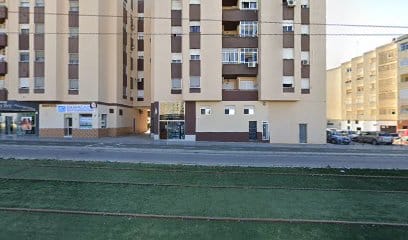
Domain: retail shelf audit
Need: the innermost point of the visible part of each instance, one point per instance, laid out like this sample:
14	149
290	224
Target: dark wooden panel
3	95
288	40
239	69
305	71
39	14
24	42
195	68
3	68
288	13
140	6
195	12
305	18
140	45
190	118
39	42
140	64
3	13
24	15
3	40
195	40
305	42
73	45
236	15
23	69
73	71
288	67
73	19
240	95
140	25
176	44
176	18
176	70
39	69
239	42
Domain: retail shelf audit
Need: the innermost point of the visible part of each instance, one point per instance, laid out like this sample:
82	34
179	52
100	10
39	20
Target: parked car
339	138
401	141
375	138
352	134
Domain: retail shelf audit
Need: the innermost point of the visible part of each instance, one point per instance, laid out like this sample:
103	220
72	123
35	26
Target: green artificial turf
67	185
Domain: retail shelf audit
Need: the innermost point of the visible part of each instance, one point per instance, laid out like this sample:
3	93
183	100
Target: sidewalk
144	141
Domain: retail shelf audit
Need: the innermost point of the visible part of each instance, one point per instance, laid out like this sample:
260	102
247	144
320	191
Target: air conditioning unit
305	62
291	3
252	64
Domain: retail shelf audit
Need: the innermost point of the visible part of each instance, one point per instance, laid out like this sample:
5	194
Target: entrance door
68	126
265	132
253	131
9	125
303	133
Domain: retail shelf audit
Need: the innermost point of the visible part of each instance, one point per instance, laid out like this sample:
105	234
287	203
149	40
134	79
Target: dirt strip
200	218
207	186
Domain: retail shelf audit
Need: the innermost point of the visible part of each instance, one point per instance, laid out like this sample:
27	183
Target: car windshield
384	134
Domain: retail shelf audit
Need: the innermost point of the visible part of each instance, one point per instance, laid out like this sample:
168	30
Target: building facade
236	70
70	67
371	95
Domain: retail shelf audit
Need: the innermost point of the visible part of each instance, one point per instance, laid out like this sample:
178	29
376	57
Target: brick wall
48	132
91	133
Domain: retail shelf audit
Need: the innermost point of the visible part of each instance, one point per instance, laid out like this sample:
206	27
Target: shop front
172	121
18	118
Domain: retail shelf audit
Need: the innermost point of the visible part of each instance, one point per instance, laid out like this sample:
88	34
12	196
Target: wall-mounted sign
94	105
74	109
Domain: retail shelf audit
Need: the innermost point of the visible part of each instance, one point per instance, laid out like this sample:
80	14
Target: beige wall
334	103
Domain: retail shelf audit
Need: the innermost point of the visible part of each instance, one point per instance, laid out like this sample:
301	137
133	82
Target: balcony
3	40
237	15
3	68
240	95
234	41
239	69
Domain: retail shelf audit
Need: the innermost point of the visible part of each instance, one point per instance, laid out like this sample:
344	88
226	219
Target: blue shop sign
75	109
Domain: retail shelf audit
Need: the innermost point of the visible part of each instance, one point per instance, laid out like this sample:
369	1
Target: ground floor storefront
71	120
252	121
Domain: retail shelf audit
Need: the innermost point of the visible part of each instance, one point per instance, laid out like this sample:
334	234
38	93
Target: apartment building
371	96
72	68
236	70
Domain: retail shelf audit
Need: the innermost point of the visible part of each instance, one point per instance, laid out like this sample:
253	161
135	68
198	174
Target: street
210	154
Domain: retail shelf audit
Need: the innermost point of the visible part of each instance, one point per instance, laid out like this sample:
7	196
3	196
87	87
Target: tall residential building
71	68
236	70
372	91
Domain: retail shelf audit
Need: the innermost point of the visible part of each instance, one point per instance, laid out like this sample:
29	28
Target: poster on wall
26	123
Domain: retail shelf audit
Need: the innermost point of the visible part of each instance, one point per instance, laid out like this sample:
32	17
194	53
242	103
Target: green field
275	193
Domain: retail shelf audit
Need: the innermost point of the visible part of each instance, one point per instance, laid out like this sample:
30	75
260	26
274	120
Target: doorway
303	133
174	130
68	126
266	136
253	131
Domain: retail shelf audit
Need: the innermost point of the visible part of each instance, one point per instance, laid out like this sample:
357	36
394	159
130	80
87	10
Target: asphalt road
254	155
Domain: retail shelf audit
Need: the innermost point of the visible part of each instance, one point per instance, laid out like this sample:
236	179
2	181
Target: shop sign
74	109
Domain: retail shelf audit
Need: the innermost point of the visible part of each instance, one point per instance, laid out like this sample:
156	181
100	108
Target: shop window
85	121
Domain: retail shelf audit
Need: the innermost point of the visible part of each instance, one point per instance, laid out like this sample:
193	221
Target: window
195	27
249	110
104	121
249	4
249	55
39	28
288	53
24	29
85	121
288	26
404	47
39	3
288	82
176	58
305	30
305	83
247	85
229	110
73	84
73	6
24	83
176	84
24	3
73	32
404	62
195	82
195	54
248	29
230	56
120	112
73	58
39	56
305	58
24	56
38	83
205	111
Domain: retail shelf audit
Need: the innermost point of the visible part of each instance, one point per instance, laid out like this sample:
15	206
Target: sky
362	12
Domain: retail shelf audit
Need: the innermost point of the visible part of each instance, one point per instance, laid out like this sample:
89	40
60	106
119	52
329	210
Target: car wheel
374	142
